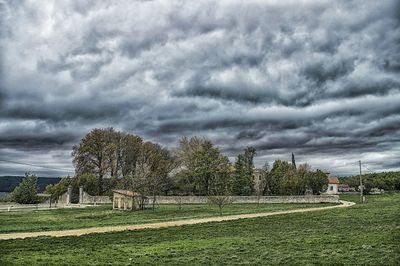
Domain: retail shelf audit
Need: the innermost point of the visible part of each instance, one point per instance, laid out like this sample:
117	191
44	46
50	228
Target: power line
35	165
368	168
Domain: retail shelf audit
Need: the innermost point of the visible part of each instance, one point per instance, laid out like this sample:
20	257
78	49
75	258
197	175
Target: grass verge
62	219
365	234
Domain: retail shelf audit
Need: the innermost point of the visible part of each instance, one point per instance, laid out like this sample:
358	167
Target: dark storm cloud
33	141
318	78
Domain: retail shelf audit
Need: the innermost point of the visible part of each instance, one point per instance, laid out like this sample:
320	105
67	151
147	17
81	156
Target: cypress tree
293	161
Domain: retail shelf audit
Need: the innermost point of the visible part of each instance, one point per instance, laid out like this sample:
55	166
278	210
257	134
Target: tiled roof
333	180
127	193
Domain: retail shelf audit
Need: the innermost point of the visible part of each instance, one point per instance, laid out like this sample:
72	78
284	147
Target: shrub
25	192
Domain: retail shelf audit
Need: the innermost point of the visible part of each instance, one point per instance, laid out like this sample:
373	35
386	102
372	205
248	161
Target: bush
89	183
56	190
25	192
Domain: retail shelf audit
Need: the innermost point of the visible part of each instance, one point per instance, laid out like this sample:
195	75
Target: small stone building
128	200
333	185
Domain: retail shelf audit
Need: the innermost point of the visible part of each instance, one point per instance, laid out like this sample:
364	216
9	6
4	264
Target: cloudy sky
320	79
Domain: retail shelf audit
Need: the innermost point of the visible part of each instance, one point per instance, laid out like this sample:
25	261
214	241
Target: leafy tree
89	183
243	177
129	152
26	191
316	180
95	154
292	183
201	164
205	166
385	180
183	183
108	154
284	179
276	175
187	148
56	190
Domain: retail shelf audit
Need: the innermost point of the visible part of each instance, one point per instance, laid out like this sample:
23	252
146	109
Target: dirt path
119	228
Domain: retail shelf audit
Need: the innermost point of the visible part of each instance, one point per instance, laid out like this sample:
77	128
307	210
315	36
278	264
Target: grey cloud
319	79
32	141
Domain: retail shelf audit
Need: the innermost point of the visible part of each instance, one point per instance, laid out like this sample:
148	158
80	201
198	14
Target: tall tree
92	155
293	161
316	181
129	152
200	162
244	173
292	183
111	154
161	164
276	176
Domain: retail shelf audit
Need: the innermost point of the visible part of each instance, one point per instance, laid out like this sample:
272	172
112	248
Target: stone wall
84	198
63	199
88	199
250	199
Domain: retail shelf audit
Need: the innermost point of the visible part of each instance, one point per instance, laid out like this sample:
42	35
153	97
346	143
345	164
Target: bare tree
222	183
153	166
221	201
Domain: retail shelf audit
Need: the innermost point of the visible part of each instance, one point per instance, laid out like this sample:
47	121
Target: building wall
332	189
250	199
257	175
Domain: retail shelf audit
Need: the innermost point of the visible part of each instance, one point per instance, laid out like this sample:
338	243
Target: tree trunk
100	183
154	198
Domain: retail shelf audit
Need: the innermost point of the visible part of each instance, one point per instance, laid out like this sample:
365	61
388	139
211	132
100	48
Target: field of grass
365	234
61	219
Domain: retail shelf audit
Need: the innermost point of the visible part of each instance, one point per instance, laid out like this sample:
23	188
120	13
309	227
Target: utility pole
361	185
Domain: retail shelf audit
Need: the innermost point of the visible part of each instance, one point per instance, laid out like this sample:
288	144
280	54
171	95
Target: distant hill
8	183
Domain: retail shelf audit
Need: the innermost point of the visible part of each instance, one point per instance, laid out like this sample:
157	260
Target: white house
333	185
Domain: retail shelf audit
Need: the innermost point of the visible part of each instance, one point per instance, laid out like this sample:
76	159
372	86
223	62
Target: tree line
107	159
386	180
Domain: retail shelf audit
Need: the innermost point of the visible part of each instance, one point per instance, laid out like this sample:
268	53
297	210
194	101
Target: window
330	187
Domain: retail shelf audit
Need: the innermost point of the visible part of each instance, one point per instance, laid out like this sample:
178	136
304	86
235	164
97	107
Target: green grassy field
367	234
61	219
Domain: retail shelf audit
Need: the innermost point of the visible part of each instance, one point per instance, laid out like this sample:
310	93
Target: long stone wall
85	198
250	199
89	199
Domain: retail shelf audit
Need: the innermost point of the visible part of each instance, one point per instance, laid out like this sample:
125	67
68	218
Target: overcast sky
320	79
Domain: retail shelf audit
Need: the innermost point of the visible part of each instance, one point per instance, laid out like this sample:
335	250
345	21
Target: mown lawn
104	215
367	234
